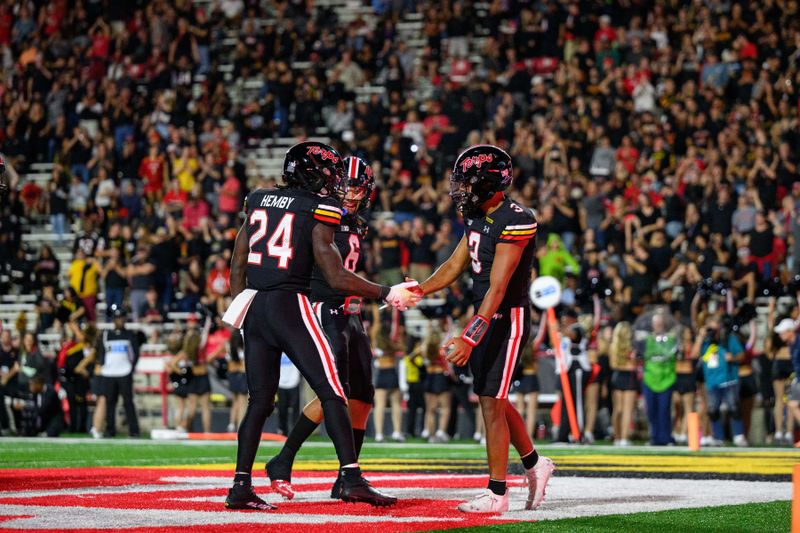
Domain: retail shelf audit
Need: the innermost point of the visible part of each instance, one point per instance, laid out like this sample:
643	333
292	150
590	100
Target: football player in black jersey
287	231
498	247
340	315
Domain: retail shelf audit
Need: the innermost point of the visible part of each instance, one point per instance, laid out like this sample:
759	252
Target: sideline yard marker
693	429
796	499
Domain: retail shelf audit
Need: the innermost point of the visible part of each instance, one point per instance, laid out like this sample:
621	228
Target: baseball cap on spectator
785	325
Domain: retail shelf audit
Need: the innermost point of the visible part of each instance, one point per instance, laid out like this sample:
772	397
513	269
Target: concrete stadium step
46	237
17	298
42	167
17	307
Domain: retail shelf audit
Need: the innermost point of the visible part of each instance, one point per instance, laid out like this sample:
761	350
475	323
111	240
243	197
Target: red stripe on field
431	510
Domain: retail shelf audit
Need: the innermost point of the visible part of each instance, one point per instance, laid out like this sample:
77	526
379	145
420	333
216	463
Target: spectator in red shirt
6	22
627	154
218	283
606	30
435	125
229	193
152	171
194	210
175	199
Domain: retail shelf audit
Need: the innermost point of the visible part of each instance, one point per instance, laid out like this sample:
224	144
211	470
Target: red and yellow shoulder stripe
519	232
328	213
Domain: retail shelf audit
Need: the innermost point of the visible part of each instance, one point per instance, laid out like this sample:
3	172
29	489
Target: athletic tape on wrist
385	292
475	330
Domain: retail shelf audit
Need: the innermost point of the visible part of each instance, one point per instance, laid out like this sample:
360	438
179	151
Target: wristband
385	292
475	330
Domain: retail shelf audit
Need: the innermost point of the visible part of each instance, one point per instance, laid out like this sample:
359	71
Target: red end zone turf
158	499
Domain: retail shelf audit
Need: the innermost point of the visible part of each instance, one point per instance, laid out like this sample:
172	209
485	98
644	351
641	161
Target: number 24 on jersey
279	244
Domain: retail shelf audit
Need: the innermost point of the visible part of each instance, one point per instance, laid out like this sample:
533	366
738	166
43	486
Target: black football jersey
348	239
509	223
279	225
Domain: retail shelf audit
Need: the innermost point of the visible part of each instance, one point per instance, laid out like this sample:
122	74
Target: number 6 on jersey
279	244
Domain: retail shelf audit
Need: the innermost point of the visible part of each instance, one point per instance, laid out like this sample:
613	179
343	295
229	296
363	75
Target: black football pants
284	322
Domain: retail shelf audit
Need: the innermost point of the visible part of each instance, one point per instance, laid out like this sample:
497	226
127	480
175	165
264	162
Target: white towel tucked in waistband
238	308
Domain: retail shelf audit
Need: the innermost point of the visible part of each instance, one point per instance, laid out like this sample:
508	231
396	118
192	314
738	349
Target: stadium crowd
657	140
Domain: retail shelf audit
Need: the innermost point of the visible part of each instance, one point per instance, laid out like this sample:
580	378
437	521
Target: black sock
299	434
352	473
530	460
337	423
498	487
358	439
240	478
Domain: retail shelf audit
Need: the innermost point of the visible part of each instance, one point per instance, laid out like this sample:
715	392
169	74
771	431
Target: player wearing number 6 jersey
340	315
498	247
287	231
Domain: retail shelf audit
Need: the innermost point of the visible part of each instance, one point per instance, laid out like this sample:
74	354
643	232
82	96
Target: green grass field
53	453
761	517
751	518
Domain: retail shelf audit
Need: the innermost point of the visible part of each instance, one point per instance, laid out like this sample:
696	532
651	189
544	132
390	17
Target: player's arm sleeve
521	229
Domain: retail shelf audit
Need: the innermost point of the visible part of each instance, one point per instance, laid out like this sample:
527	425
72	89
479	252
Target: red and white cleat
283	487
537	477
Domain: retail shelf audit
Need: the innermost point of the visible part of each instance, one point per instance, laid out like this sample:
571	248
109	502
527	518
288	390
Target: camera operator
118	352
40	409
720	353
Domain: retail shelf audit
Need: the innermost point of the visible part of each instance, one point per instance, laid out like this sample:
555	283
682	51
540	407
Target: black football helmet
315	167
360	185
480	172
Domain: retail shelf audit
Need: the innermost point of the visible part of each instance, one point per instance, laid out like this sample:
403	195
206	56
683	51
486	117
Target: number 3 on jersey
279	244
351	260
474	242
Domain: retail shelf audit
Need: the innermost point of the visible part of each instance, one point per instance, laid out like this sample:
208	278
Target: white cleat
537	478
740	441
486	502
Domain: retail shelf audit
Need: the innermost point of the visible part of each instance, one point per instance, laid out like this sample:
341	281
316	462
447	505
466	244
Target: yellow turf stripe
722	463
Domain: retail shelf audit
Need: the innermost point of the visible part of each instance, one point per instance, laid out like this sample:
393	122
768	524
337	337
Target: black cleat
243	498
280	477
361	491
278	468
336	490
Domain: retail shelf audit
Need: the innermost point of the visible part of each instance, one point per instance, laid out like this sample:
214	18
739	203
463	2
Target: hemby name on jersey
282	202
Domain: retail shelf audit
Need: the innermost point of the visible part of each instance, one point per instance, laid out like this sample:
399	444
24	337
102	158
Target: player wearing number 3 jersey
498	248
286	232
340	315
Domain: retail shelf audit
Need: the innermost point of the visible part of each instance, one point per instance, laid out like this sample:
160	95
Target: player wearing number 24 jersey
286	232
498	249
340	316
